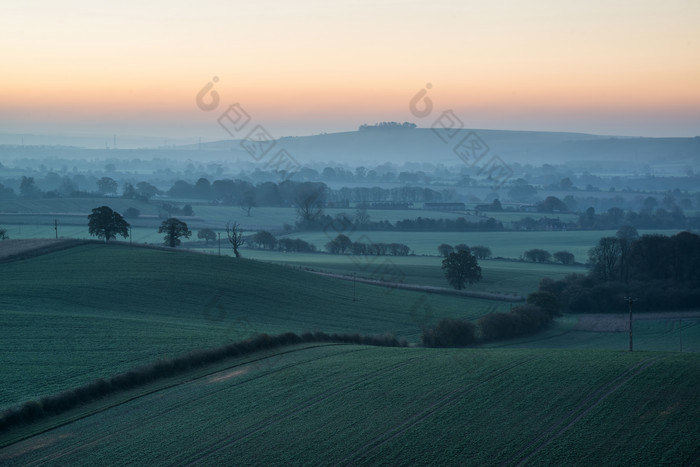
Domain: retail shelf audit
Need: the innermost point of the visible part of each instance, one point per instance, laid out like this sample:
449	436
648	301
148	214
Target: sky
307	67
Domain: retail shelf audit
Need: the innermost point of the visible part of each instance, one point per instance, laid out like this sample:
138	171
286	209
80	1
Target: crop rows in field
357	405
74	315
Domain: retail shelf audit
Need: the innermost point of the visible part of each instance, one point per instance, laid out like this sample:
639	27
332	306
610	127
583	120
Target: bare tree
235	237
310	198
248	202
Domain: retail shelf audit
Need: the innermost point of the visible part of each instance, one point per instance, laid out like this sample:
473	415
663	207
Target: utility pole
354	279
629	301
55	226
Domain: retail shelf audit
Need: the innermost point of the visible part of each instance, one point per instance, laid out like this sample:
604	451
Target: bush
450	333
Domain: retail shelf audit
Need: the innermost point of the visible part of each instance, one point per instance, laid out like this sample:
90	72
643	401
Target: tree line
661	271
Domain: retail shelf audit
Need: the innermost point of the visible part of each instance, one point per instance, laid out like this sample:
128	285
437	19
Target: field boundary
20	249
424	288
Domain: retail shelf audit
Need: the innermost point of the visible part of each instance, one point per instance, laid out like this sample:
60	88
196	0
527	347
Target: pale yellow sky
610	67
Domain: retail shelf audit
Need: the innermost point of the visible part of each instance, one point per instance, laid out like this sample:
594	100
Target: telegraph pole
629	301
354	279
55	226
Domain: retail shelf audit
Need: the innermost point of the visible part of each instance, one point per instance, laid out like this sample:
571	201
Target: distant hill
400	145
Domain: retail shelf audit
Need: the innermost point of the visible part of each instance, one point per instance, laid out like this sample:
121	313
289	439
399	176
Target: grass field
355	405
502	244
504	277
74	315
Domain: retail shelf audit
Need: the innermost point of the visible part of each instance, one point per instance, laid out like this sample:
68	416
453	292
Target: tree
207	235
564	257
130	192
106	185
605	258
248	202
444	249
174	228
264	239
146	190
339	245
3	234
461	268
104	223
462	247
551	204
481	252
27	188
361	216
310	198
235	237
537	255
187	210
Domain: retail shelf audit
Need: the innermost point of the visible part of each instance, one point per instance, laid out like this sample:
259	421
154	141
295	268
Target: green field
355	405
503	277
564	396
74	315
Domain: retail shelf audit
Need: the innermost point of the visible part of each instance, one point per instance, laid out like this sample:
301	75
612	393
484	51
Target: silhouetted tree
106	185
207	235
248	202
339	245
174	228
444	249
264	239
537	255
3	234
310	198
104	223
481	252
461	268
235	237
564	257
27	188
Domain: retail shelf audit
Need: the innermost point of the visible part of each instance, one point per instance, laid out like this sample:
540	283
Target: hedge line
35	410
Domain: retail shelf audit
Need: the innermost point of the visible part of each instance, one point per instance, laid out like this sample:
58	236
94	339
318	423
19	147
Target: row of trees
479	251
342	244
107	224
538	255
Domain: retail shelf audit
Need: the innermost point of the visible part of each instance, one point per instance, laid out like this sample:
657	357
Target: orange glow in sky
608	67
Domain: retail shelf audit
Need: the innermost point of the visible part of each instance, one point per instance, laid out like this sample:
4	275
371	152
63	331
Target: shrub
450	333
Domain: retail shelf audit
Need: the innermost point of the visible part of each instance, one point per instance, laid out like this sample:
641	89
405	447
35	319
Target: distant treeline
661	272
35	410
421	224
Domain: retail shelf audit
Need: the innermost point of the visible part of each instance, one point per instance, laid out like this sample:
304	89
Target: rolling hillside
70	316
357	405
